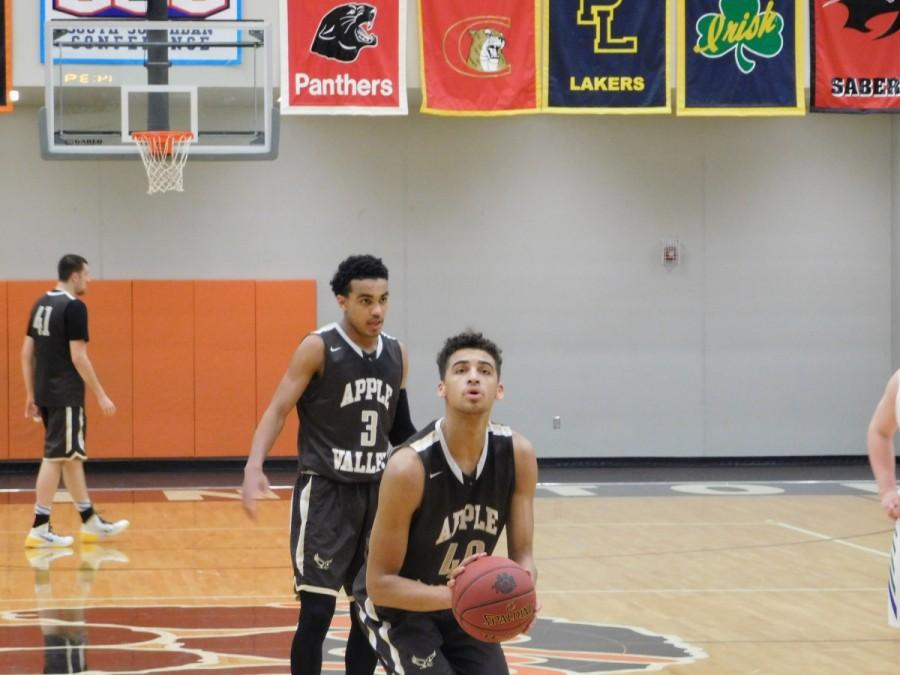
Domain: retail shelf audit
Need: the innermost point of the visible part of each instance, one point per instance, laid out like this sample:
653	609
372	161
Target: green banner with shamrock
740	57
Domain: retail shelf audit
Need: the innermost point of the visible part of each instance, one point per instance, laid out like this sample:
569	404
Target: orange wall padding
111	351
224	367
190	365
285	313
163	324
4	375
26	438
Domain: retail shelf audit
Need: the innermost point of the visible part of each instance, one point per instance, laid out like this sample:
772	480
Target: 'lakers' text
606	83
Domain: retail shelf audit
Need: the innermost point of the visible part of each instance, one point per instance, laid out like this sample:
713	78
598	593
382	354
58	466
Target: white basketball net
164	154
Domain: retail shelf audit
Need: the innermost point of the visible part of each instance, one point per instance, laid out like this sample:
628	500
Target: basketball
494	599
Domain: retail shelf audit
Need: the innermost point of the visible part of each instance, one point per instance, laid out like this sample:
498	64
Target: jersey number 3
41	323
369	435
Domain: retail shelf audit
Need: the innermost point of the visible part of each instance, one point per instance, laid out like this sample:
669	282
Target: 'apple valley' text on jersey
459	514
347	412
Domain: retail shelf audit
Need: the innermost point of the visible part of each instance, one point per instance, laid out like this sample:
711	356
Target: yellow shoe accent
44	537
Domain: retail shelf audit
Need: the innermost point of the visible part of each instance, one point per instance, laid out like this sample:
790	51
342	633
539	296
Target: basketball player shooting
445	498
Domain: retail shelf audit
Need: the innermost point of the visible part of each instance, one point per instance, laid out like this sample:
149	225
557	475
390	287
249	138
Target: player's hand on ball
255	484
459	569
537	609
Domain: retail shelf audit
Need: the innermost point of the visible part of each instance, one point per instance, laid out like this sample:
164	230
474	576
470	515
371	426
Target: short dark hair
467	340
69	264
357	267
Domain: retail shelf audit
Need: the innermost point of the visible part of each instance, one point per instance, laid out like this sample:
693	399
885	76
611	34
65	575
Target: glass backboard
109	78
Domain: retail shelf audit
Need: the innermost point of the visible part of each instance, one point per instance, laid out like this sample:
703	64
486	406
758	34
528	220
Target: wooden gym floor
688	578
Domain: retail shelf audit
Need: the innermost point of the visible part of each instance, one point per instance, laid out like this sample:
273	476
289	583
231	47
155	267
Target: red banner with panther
343	58
479	57
855	55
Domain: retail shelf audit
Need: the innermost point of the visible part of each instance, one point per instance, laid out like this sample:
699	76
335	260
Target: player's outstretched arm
881	447
520	530
402	486
305	364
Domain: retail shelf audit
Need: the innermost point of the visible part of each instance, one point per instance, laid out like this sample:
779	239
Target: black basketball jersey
347	412
56	318
459	515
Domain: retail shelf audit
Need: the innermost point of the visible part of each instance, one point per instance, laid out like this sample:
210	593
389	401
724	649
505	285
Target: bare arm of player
405	356
402	486
520	529
85	368
881	447
306	362
31	409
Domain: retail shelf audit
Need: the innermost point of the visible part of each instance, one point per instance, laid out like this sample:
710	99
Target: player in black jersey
55	366
445	498
347	381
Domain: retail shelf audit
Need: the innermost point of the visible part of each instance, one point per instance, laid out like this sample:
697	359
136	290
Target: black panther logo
344	31
860	11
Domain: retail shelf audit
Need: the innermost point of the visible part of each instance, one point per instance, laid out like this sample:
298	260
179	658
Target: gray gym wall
773	336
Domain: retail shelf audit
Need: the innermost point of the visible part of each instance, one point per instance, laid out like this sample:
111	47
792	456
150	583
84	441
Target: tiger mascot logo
486	51
344	32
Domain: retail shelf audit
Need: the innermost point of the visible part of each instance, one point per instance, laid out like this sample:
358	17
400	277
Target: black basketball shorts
64	430
330	525
433	642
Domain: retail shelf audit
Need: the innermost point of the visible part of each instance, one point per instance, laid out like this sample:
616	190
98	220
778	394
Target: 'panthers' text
342	85
469	516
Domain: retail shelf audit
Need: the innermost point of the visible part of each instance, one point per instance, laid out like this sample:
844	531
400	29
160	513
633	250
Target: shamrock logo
739	26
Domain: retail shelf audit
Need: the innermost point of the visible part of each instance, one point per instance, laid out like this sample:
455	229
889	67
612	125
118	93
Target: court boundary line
825	537
539	484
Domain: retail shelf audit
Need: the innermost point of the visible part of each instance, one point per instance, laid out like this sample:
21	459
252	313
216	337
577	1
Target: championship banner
343	59
479	57
190	47
855	51
740	57
602	57
5	55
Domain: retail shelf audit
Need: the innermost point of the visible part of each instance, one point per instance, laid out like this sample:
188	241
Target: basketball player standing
445	498
880	444
347	382
881	448
55	367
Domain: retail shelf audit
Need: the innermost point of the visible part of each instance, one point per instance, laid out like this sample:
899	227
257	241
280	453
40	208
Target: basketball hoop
164	154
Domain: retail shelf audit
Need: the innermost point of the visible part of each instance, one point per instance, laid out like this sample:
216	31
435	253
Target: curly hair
357	267
468	340
68	265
